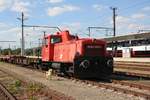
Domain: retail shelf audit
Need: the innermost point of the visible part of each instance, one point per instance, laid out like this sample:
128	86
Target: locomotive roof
72	36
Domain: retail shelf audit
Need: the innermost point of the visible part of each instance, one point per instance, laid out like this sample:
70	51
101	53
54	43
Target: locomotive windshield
55	39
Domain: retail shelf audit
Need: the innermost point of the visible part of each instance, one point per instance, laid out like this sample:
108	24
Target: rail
6	93
124	87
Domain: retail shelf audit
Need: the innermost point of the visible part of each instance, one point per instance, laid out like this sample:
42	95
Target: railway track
131	73
138	69
126	87
121	86
45	93
5	94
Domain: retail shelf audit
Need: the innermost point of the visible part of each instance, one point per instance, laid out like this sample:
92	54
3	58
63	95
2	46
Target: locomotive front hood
91	47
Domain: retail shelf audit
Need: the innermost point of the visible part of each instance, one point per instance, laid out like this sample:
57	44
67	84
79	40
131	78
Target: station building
134	45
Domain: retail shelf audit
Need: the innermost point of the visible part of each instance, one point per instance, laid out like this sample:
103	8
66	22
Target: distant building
130	40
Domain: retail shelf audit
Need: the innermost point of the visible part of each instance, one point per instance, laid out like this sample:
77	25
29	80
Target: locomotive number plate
94	46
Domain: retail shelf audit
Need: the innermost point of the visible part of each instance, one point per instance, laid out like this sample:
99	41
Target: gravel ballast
77	90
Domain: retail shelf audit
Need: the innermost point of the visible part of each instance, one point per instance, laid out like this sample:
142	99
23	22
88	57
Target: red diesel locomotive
69	55
83	58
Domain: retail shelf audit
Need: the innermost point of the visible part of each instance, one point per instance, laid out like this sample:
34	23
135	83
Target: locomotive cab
83	58
48	47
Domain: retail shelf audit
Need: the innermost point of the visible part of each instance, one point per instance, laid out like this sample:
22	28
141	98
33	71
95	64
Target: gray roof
129	37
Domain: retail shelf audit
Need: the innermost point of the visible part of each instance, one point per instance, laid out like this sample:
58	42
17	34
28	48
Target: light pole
0	50
22	34
114	47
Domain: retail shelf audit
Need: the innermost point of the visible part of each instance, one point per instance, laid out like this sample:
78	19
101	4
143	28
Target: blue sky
75	15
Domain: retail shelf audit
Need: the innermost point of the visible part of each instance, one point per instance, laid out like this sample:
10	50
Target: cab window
55	39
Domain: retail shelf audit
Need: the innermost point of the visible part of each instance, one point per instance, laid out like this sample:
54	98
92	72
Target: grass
30	89
33	89
15	86
24	90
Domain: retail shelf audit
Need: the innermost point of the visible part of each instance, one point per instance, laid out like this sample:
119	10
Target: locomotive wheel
34	66
84	64
42	67
63	71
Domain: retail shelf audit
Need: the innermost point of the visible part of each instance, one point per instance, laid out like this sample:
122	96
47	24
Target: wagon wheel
39	66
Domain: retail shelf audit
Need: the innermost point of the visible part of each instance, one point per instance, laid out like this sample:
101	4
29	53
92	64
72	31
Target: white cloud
72	26
55	1
145	27
133	26
130	23
76	24
122	20
146	8
138	16
127	24
98	7
4	4
20	6
14	34
14	5
59	10
3	26
123	24
8	33
137	27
